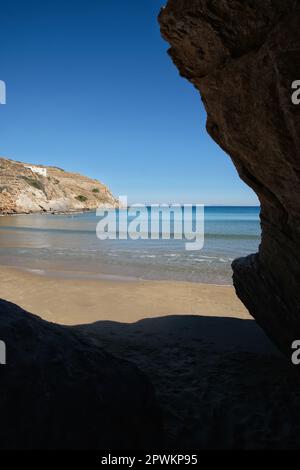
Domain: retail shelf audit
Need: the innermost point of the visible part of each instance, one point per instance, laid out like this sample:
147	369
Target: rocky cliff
26	188
243	58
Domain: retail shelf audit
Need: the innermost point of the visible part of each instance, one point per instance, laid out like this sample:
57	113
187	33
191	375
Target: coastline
76	301
45	212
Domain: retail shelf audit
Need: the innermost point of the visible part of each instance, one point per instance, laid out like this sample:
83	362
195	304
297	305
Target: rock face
26	188
59	391
243	58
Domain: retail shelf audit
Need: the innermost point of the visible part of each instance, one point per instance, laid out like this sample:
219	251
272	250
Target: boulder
60	391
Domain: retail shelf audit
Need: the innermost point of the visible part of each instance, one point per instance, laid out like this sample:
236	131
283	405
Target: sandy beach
77	301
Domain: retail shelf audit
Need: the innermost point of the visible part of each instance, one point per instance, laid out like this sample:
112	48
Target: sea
67	246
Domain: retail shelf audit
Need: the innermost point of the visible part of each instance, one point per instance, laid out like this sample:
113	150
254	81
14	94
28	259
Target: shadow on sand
219	381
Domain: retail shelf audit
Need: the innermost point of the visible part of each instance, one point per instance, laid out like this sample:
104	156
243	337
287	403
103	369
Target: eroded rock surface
58	391
243	58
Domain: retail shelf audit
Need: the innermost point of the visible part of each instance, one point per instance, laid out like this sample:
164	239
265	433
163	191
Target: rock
26	188
243	58
60	391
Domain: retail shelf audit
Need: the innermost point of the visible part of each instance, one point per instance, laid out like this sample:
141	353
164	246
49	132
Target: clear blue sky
91	89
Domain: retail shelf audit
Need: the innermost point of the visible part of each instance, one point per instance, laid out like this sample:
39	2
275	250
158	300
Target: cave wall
243	58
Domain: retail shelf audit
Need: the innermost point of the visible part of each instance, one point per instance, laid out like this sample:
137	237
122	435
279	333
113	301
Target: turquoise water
67	245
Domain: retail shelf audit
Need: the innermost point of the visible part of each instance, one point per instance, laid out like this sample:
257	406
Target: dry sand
76	301
219	381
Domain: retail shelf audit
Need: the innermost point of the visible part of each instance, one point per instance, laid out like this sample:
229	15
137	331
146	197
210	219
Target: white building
37	169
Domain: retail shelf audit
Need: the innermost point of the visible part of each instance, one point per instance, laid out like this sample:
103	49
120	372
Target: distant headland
27	188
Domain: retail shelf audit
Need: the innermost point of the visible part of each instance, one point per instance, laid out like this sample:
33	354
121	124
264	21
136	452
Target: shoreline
82	301
101	276
70	212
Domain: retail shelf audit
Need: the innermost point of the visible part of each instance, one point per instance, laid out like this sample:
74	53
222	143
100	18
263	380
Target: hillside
26	188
